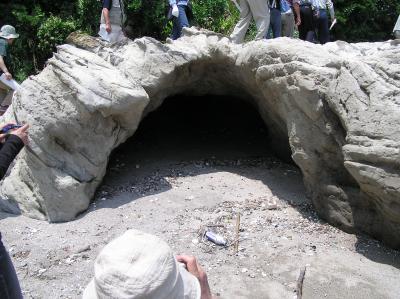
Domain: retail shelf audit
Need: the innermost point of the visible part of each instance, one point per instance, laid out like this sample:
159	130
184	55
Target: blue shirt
178	2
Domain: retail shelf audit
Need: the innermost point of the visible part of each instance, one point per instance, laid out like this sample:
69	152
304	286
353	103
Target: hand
194	268
108	27
3	136
175	10
22	133
298	21
8	75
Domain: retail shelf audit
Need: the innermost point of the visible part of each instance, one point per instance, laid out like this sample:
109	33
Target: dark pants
275	26
322	26
306	28
179	22
9	285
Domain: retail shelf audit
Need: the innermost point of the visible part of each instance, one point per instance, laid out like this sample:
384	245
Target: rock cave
336	107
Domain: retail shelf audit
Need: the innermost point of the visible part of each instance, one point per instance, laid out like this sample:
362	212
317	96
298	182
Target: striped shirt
324	4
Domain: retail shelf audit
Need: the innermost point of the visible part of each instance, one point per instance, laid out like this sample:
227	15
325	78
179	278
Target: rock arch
337	106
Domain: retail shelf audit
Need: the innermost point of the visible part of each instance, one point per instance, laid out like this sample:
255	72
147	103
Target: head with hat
140	265
8	32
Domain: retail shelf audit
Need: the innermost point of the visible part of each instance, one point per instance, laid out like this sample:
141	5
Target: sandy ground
173	182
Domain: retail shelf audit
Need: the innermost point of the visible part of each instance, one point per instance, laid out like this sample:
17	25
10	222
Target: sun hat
8	31
140	265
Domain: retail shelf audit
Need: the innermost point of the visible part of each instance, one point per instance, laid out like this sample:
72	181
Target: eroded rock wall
337	105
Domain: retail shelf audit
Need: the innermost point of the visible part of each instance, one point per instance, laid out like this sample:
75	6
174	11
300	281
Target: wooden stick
236	249
300	280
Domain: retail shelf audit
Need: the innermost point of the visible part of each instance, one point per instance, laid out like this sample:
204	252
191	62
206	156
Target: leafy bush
88	15
361	20
43	24
53	32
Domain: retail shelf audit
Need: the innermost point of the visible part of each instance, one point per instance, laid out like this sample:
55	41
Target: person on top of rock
10	145
275	25
140	265
288	19
251	9
179	11
112	20
321	18
7	37
307	27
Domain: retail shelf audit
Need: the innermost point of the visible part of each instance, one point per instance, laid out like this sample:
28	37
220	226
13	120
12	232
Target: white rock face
337	106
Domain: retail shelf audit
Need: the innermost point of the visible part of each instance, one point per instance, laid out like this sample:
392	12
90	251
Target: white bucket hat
8	31
139	265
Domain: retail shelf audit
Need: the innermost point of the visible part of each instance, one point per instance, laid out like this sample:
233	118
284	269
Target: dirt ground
173	180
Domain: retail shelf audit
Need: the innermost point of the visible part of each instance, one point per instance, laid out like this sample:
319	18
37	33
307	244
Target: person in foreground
140	265
10	146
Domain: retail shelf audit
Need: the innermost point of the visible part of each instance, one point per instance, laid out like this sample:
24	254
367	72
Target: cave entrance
193	135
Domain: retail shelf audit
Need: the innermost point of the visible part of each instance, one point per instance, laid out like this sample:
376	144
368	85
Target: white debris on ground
279	233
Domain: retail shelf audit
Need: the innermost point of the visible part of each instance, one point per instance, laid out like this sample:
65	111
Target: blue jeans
9	285
275	26
179	22
322	26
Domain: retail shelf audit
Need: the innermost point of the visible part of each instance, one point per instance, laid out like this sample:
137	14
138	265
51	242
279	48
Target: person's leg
241	27
306	29
277	29
303	25
9	285
273	24
260	11
182	19
175	29
179	22
323	27
8	99
5	98
287	24
284	24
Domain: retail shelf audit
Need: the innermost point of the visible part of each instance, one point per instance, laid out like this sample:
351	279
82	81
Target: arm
8	152
11	147
3	67
106	14
296	7
329	5
194	268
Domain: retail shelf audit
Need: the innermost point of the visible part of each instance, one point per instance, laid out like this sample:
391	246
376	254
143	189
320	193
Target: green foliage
365	20
44	24
52	32
88	15
147	18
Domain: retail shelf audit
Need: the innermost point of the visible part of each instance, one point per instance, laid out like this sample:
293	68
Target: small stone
244	270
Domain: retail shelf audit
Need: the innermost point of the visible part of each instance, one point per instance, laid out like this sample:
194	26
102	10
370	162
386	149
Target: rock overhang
336	105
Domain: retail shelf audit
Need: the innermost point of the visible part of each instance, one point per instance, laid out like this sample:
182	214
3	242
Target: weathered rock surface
337	106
